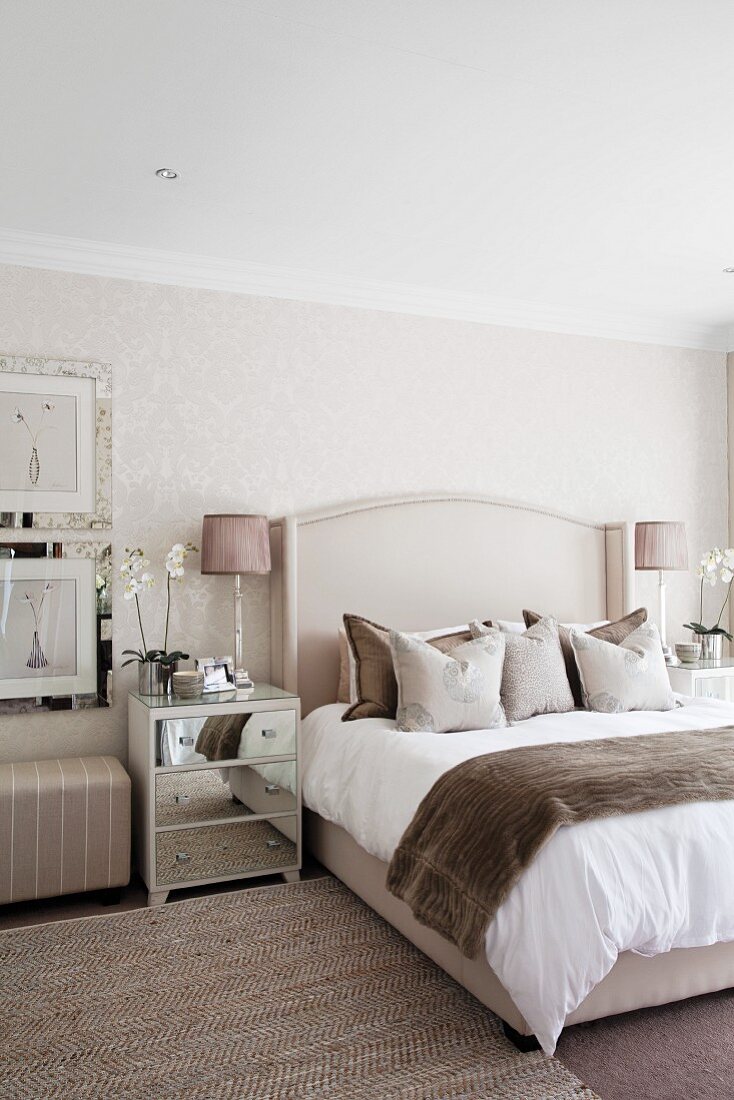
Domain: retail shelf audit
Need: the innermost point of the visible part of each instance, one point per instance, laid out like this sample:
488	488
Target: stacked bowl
187	685
688	652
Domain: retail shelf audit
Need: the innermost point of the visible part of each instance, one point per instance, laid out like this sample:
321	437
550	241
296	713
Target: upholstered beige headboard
423	562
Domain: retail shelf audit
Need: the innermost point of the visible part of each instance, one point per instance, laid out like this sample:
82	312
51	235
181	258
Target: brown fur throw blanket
484	821
220	736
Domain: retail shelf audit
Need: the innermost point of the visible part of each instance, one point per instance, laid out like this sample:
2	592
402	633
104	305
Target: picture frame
218	673
55	443
48	628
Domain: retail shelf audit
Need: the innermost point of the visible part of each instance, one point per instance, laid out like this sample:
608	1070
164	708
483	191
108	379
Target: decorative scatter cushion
444	639
344	692
447	692
375	687
628	676
614	632
445	643
534	678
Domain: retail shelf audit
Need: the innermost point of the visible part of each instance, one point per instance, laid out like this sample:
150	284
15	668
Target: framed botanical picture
55	443
48	627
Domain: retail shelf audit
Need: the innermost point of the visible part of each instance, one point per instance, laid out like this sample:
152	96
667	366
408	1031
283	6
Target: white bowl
688	652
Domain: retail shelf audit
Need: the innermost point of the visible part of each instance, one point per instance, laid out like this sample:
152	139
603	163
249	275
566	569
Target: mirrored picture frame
55	626
55	443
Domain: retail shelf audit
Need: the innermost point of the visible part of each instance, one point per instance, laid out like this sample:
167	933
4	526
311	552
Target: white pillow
444	693
629	676
509	627
427	635
520	628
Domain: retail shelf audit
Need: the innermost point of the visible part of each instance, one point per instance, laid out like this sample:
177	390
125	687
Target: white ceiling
564	164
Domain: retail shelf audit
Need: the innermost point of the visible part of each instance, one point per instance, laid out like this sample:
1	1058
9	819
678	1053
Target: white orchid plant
136	580
716	565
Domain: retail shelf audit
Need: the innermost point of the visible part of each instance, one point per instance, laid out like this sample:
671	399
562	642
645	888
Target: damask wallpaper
224	402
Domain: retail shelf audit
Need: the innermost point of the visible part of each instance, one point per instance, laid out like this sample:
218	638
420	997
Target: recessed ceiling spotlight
729	270
167	173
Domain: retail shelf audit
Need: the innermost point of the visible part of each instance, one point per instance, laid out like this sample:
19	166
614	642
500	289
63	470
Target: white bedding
646	882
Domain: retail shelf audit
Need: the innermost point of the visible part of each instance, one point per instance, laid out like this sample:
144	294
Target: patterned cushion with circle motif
629	676
448	692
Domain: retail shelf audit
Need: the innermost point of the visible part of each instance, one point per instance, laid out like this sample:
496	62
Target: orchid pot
154	678
712	646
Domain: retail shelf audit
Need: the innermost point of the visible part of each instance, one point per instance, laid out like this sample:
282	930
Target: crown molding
85	257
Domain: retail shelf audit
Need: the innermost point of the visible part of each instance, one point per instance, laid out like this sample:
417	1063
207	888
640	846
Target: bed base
524	1043
634	981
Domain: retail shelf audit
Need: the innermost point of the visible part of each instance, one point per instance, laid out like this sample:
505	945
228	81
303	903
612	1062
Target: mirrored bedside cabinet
712	679
216	788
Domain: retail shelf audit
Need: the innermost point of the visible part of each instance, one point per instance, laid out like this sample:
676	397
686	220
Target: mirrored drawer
223	737
214	851
182	797
271	733
265	788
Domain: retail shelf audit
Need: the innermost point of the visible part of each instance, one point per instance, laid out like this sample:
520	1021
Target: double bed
614	914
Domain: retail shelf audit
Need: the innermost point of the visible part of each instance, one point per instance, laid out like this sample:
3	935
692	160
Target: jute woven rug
274	993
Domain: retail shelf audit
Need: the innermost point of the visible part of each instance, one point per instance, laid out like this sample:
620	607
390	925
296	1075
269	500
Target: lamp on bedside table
662	546
232	545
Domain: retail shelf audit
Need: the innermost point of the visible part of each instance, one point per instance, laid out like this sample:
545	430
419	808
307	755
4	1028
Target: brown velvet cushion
446	642
614	632
377	688
343	692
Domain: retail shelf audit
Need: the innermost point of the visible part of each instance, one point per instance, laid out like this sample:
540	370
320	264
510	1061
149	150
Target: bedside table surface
262	693
726	666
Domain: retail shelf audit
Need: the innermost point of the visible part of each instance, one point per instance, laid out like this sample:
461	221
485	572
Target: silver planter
712	646
155	678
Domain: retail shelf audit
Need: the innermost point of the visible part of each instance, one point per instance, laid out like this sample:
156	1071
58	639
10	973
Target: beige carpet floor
277	993
681	1051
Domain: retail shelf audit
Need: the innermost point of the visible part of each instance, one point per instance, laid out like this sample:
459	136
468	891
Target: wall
730	448
225	402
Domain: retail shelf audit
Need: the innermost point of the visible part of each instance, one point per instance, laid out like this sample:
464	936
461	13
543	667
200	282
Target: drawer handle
275	844
270	734
186	741
270	788
183	857
183	799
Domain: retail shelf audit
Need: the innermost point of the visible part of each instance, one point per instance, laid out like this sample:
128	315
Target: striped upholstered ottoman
64	827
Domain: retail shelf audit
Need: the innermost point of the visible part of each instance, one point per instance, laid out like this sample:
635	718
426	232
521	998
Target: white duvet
645	882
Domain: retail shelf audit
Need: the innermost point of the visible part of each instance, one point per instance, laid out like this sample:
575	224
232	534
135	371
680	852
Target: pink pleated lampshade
235	544
660	545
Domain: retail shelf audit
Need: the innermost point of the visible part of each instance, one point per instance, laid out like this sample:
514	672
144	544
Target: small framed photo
218	673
